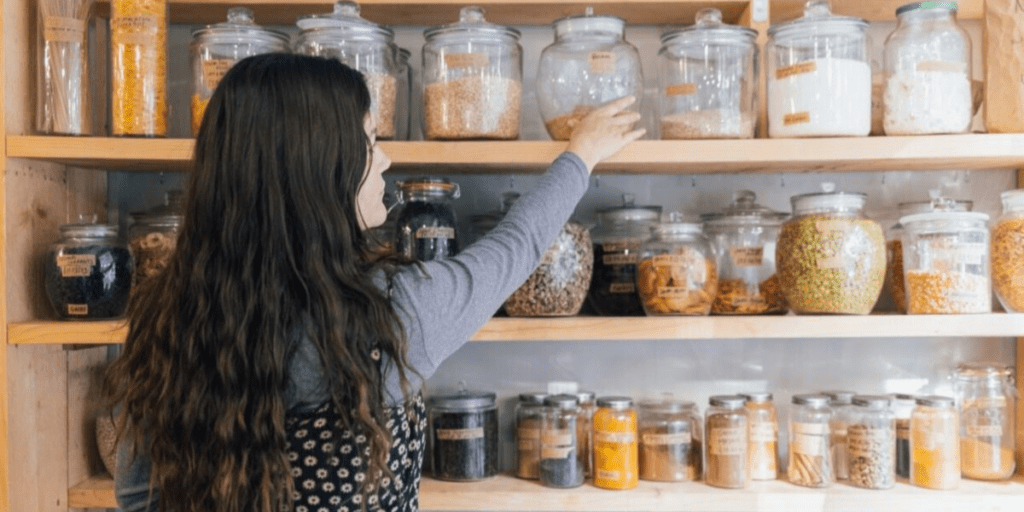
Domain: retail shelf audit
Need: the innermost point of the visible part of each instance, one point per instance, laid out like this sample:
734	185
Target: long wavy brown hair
270	245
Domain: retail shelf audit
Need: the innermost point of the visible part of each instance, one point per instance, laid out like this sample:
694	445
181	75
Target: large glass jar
88	272
616	454
810	460
841	403
362	45
464	435
676	274
561	461
589	64
1008	252
709	80
987	402
153	236
743	238
426	226
217	47
472	79
927	72
819	75
871	443
559	284
726	427
670	441
529	411
617	240
946	263
763	451
62	100
138	67
935	443
830	256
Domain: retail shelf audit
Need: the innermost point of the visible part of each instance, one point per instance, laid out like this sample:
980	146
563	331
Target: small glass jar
670	441
677	274
561	461
935	443
585	434
464	436
743	238
153	236
841	403
472	79
830	257
589	65
617	238
810	459
529	412
709	80
763	454
616	454
88	272
217	47
1008	252
404	96
987	401
726	425
902	407
927	72
946	263
63	69
819	75
871	442
426	225
138	67
559	284
362	45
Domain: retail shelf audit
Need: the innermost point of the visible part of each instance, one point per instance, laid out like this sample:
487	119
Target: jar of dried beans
463	435
871	443
153	236
763	452
589	64
726	425
677	273
362	45
1008	252
472	79
529	412
810	459
561	461
88	272
743	238
616	454
670	441
138	67
987	401
617	240
935	443
558	286
946	263
426	227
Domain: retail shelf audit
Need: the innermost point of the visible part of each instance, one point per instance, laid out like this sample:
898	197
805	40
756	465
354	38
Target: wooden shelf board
873	10
939	152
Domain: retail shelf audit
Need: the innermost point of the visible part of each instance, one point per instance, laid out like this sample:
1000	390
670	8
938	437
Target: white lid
345	18
1013	200
589	23
944	217
471	21
828	199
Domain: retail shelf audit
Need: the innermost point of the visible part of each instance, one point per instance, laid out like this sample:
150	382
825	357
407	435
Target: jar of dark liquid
426	226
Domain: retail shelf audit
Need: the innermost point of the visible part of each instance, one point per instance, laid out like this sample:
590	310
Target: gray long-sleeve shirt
440	306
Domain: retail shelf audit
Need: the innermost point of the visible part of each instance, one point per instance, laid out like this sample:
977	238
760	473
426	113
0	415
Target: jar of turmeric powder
138	67
935	443
1008	252
676	274
616	451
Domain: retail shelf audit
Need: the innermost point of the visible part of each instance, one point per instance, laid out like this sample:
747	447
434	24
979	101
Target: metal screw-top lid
709	30
536	398
427	187
562	401
465	400
240	28
757	397
585	397
728	401
615	402
872	401
472	22
935	401
811	400
904	396
345	19
927	6
840	397
589	23
1013	200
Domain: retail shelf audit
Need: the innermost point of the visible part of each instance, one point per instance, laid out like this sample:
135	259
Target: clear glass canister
561	461
927	72
464	435
676	273
88	272
153	236
589	64
559	284
217	47
472	79
426	226
362	45
670	441
987	401
588	404
935	443
903	406
871	443
819	75
725	425
138	67
841	403
404	97
810	459
709	80
830	256
1008	252
63	70
743	238
763	453
617	238
529	411
616	454
946	263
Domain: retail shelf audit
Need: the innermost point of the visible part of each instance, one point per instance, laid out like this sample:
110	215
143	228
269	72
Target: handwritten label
810	439
674	291
605	474
941	66
619	259
620	247
433	232
64	30
963	254
76	265
727	441
553	452
214	70
797	118
621	288
78	309
985	430
460	434
747	256
826	226
796	69
902	429
557	438
763	432
614	437
466	60
602	63
669	260
663	439
135	30
681	90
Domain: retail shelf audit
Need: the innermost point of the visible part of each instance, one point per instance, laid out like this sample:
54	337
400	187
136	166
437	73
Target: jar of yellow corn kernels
138	66
1008	252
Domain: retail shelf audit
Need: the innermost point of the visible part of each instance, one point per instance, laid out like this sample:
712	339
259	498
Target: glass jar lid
944	217
927	6
88	230
465	400
840	397
757	397
874	402
536	398
344	20
589	23
472	23
728	401
562	401
1013	200
629	212
677	228
935	401
982	371
904	397
240	28
935	204
744	210
615	402
171	212
811	400
829	199
709	30
818	20
427	187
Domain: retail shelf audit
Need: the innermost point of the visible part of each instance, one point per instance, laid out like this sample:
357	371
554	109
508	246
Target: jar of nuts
558	287
153	236
677	273
1008	252
946	263
617	238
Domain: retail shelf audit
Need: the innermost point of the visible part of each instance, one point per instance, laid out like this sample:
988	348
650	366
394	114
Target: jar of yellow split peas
138	66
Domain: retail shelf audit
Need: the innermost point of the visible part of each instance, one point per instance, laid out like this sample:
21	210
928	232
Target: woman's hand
604	132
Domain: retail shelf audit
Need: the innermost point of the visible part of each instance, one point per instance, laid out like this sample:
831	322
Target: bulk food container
763	448
529	412
88	272
1008	252
561	461
617	240
153	236
138	67
463	434
935	443
676	274
62	105
670	441
559	284
726	425
946	263
871	443
616	453
810	460
426	226
987	400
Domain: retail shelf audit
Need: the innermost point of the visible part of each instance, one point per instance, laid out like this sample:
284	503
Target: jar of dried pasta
946	263
670	440
810	459
677	273
987	400
616	454
153	236
138	67
726	425
1008	252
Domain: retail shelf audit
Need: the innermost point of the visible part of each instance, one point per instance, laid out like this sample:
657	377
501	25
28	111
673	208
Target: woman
276	363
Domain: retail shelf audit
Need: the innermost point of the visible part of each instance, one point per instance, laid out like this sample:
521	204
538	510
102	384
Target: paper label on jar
828	226
670	260
614	437
984	430
796	69
550	452
76	265
727	441
214	70
796	118
763	432
941	65
528	433
602	63
140	30
460	434
867	442
681	90
620	247
902	429
527	445
987	402
962	254
673	291
621	288
810	439
64	30
619	259
466	60
435	232
606	474
556	438
747	256
78	309
663	439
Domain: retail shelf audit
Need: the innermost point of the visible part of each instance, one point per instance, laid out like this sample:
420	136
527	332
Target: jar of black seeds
464	436
561	461
88	272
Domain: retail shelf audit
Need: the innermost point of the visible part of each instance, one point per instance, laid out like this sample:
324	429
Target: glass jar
138	67
1008	252
677	274
935	443
472	79
946	263
464	436
589	65
217	47
88	272
841	403
927	72
763	453
616	456
743	238
726	425
404	95
617	240
987	402
426	226
810	459
561	461
482	223
63	68
902	407
153	236
709	80
362	45
830	257
559	284
529	412
871	442
819	75
670	441
585	433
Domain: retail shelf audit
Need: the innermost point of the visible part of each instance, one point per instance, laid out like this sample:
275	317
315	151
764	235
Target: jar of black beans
464	436
426	227
88	272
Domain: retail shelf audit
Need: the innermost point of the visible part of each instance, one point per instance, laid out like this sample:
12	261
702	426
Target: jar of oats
676	274
472	79
946	263
1008	252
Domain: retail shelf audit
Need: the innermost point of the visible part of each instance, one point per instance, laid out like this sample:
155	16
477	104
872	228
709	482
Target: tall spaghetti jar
841	403
63	79
726	427
987	401
935	443
1008	252
616	454
763	453
218	47
810	459
588	405
138	66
